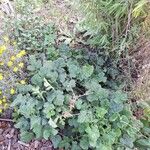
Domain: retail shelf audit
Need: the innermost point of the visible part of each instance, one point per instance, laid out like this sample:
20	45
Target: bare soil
9	139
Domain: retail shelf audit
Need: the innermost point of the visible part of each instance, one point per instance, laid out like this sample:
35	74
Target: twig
7	8
129	21
24	144
127	27
9	145
8	120
85	94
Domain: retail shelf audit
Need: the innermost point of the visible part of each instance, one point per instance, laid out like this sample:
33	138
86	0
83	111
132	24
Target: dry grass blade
8	120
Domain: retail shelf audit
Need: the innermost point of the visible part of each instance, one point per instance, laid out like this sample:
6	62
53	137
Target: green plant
26	6
33	35
142	110
113	25
68	100
72	97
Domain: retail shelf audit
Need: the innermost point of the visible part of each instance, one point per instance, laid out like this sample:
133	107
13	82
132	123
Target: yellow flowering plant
11	70
2	49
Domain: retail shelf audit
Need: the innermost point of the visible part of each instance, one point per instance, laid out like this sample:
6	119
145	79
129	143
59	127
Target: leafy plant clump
33	35
72	100
27	6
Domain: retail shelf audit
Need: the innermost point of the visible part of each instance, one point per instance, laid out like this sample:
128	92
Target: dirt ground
9	139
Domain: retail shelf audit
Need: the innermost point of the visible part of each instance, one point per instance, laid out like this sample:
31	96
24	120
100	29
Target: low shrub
32	34
72	98
27	6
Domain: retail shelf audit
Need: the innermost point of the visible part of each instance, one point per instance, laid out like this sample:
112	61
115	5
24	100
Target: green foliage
74	100
33	35
26	6
112	24
144	143
74	97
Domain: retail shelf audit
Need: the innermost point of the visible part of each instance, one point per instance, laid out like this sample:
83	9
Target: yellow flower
1	110
22	82
15	69
12	58
18	55
2	49
10	63
6	39
15	109
21	65
1	63
5	105
14	43
12	91
1	101
1	76
4	100
21	53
